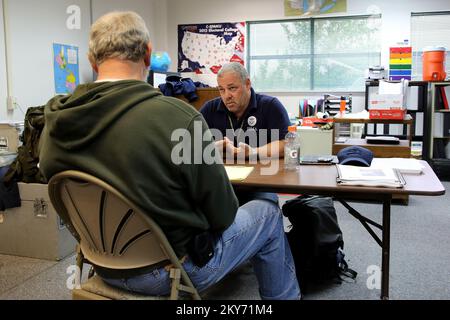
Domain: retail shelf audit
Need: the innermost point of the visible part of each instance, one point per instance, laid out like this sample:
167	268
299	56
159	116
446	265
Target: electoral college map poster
204	48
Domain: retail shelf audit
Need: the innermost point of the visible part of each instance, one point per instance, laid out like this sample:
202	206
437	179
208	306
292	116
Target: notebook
369	177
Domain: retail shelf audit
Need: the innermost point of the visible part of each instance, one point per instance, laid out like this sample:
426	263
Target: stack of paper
404	165
368	176
238	173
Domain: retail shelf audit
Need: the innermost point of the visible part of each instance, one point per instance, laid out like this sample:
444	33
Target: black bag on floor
316	241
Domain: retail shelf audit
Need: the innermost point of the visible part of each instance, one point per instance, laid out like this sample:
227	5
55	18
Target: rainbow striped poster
400	63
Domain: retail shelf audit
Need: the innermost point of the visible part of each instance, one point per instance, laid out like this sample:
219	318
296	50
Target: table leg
385	247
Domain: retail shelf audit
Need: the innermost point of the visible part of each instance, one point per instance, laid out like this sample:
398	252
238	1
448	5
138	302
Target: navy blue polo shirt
263	112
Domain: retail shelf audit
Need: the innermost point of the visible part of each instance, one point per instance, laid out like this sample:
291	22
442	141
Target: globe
160	61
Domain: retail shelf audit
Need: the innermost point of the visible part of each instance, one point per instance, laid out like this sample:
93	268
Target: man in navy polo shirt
250	124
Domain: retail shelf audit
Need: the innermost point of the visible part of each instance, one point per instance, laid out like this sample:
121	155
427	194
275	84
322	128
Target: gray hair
236	68
122	35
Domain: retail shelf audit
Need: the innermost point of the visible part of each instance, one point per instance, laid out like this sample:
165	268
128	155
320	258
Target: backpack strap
343	269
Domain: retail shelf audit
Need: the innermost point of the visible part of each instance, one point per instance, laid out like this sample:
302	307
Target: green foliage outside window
313	54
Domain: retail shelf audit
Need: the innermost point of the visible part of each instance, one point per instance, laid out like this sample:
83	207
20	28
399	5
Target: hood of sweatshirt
79	118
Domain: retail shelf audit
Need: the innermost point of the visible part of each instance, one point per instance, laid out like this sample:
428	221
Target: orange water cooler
433	64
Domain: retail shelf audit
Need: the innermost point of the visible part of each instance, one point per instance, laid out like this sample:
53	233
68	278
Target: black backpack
25	166
316	241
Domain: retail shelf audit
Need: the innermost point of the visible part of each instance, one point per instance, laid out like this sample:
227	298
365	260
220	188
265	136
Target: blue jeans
247	196
257	235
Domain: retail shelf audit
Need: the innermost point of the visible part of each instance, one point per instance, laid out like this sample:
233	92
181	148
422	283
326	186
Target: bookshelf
438	137
401	150
417	105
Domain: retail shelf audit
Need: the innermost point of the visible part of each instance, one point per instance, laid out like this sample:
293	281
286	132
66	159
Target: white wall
33	27
159	26
395	24
154	12
3	91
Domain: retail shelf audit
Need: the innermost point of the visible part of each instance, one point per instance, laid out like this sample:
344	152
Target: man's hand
225	146
244	150
220	145
231	150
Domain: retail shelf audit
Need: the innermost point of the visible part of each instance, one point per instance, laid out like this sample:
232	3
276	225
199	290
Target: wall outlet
11	103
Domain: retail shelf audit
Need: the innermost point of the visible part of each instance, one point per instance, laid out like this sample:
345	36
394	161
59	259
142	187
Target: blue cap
355	156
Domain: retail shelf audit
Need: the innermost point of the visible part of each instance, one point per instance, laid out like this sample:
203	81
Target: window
429	29
317	54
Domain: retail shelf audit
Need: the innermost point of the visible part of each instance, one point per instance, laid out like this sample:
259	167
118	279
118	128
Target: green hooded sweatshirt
121	132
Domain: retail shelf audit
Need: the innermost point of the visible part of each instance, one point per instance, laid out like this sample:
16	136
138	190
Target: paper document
390	87
370	177
404	165
238	173
355	115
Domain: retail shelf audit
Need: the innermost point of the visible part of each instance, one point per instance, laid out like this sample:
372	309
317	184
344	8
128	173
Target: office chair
113	233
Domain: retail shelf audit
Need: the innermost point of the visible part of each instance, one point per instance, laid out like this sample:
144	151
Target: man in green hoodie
122	130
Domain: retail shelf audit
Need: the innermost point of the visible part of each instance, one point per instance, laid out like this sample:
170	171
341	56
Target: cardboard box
393	114
388	106
34	230
385	101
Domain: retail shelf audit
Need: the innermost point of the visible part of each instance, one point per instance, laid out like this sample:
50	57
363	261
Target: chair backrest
112	232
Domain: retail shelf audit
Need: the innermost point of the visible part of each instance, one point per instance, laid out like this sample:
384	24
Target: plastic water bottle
291	149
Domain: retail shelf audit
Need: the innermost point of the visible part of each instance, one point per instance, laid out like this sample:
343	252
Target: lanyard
232	127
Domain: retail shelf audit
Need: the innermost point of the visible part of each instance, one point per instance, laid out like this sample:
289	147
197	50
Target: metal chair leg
175	275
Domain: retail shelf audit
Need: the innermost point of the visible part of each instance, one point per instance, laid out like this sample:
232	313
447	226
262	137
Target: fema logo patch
252	121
